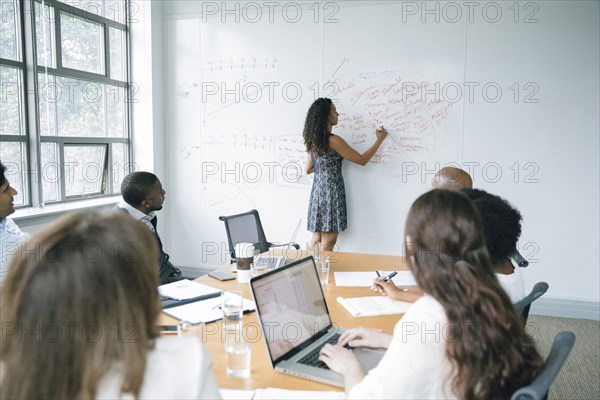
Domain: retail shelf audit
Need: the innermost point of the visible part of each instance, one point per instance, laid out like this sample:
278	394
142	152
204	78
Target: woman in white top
80	309
463	338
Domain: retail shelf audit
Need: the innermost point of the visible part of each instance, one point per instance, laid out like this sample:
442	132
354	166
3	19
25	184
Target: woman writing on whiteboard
325	153
463	338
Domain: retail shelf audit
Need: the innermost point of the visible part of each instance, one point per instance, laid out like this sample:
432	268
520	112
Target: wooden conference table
262	374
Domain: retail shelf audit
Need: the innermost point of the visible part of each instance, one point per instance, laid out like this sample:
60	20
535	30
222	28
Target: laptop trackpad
369	358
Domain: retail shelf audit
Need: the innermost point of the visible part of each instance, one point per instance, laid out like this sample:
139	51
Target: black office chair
247	228
538	389
524	305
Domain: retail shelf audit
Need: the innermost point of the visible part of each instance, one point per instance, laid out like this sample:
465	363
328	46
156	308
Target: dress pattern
327	205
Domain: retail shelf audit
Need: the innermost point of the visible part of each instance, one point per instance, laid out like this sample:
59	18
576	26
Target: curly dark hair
2	177
501	223
491	353
316	137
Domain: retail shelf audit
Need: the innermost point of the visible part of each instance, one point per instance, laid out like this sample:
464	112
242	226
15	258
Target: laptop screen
290	305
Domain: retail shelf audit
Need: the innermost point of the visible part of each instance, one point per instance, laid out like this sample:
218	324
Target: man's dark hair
501	223
136	186
2	177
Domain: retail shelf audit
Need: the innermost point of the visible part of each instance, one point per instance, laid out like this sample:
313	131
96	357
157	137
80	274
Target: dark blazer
167	272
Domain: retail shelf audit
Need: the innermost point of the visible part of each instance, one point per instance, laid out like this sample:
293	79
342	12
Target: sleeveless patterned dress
327	206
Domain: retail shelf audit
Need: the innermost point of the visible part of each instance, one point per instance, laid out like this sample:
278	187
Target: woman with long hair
79	315
463	337
327	214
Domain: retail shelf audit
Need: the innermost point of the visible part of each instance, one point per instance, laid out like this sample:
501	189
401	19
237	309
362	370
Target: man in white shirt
143	195
452	178
10	234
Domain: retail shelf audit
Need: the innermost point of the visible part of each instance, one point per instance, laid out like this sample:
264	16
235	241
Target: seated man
502	227
143	194
452	178
10	234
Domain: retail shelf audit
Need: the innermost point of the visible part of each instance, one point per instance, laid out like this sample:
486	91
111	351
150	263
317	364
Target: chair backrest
519	259
524	305
538	389
245	228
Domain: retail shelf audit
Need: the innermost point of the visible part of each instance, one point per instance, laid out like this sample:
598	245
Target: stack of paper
185	289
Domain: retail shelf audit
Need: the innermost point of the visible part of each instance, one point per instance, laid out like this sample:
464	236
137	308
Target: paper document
203	311
403	278
372	306
185	289
283	394
354	278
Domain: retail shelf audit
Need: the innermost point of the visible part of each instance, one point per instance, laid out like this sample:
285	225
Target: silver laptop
295	322
274	262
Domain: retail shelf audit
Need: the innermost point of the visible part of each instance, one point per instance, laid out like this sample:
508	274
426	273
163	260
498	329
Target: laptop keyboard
266	262
312	358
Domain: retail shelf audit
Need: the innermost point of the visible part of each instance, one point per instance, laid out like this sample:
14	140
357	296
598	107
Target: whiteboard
238	112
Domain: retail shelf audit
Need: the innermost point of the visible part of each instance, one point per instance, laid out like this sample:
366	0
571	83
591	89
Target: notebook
184	292
296	323
274	262
372	306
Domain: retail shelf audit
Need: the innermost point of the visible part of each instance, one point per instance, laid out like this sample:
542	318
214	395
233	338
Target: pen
390	276
374	286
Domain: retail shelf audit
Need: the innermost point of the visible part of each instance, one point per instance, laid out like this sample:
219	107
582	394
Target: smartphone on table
222	276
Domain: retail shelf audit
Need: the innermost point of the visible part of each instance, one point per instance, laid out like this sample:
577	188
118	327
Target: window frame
31	138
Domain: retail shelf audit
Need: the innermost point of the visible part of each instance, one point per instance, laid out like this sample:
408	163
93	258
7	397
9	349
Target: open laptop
296	323
274	262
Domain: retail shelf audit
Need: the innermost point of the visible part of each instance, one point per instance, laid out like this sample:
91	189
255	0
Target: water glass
238	354
259	268
232	307
323	269
313	250
186	328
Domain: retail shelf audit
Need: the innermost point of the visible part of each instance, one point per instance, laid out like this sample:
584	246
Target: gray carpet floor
580	376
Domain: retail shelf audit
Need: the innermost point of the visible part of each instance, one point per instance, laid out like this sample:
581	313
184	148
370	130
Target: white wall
552	143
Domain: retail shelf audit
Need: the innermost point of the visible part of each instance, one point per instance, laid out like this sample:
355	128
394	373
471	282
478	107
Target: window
64	88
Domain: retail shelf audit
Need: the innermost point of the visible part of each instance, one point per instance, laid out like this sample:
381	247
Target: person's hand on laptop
343	361
364	337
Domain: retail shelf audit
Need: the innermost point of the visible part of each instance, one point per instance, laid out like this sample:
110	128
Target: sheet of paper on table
403	278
